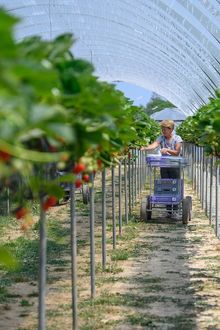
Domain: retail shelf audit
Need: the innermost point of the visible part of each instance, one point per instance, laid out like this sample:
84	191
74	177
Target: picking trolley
166	193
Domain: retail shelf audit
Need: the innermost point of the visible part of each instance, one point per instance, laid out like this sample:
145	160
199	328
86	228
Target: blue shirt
169	144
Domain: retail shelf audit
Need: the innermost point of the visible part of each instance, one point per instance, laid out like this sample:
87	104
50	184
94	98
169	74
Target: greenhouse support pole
146	168
211	187
42	274
113	209
129	183
138	173
135	174
193	162
199	173
194	168
103	218
119	200
190	154
203	179
92	237
216	198
206	185
73	255
140	170
126	190
132	180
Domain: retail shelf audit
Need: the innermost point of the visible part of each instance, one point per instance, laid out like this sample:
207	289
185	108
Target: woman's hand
165	151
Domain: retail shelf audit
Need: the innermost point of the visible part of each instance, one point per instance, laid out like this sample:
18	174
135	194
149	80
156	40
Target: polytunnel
105	225
167	46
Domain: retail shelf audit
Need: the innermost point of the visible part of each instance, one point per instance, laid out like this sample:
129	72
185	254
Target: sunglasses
165	127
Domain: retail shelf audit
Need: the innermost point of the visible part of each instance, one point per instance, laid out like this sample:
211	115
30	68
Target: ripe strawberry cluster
4	156
24	216
22	213
48	202
80	168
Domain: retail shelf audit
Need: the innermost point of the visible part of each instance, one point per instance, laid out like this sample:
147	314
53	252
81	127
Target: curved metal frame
168	46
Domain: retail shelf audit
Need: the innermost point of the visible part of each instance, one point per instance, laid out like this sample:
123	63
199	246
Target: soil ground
162	275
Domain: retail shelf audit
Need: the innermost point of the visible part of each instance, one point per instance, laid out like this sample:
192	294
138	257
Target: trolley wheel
145	211
189	198
185	211
85	194
149	208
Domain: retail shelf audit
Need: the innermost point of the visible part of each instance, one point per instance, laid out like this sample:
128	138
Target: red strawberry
50	201
78	168
4	156
99	163
85	177
78	183
52	148
21	212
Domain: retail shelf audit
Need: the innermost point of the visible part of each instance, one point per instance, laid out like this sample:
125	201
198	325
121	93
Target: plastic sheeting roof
171	47
169	113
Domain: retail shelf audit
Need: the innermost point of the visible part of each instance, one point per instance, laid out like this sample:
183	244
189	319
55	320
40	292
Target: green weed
25	303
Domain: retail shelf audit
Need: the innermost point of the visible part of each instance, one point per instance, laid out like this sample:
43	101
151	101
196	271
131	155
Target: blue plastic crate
166	161
166	187
168	200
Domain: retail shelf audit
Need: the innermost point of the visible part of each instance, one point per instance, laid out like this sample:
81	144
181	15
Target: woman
170	145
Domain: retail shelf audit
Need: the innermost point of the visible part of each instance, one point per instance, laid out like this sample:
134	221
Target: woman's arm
176	152
151	146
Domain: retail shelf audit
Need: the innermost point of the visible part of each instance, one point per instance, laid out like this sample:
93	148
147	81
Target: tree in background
157	103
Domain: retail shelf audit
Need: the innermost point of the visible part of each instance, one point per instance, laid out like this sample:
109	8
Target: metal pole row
130	182
204	174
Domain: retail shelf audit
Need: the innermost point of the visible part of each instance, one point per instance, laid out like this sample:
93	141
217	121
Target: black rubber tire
149	208
185	211
189	198
143	209
85	194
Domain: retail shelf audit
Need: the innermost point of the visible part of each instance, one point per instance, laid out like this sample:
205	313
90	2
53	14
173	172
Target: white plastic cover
171	47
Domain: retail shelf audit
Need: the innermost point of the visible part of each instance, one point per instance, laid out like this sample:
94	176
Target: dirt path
175	279
163	275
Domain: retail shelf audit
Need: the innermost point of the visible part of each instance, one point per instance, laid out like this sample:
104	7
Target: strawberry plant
54	113
204	127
